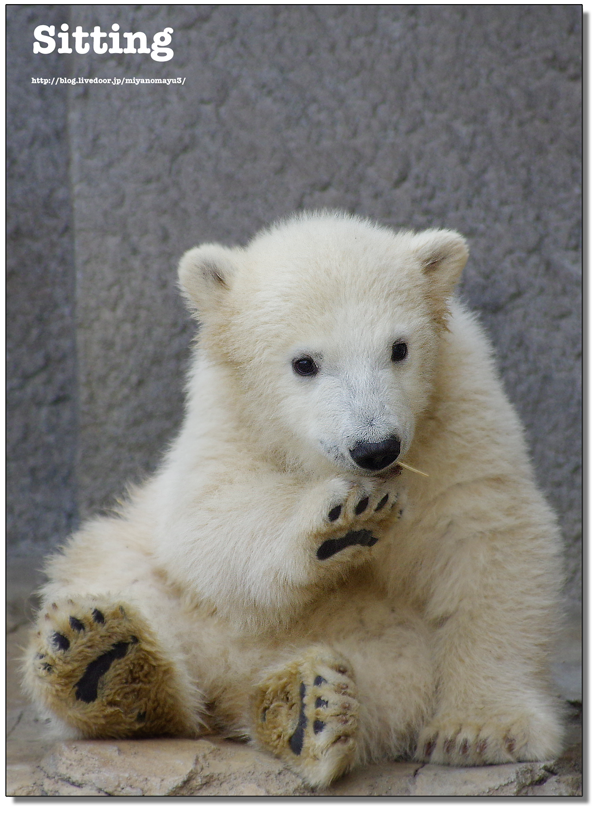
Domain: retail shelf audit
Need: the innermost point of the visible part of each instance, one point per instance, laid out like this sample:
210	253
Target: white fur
448	619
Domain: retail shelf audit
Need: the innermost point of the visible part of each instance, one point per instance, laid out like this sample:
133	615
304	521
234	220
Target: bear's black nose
376	455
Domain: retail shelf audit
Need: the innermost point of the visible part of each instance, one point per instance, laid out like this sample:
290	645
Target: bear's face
330	328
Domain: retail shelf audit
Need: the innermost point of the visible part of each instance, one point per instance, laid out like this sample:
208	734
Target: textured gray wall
40	297
467	117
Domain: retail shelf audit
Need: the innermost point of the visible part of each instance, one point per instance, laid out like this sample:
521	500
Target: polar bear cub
290	575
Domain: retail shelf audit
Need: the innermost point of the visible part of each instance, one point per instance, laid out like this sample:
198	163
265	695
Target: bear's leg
306	713
97	666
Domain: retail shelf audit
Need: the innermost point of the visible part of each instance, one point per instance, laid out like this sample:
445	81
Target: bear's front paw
98	667
492	740
360	518
306	714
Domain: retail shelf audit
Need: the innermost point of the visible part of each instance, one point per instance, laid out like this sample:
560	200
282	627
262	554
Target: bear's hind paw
306	714
465	741
97	667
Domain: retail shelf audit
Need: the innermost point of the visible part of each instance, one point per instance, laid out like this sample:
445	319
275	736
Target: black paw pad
76	625
98	616
296	741
334	545
60	642
318	726
86	689
45	666
361	506
334	513
382	503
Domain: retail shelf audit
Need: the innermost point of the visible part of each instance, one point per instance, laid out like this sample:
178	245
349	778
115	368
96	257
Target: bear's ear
205	275
442	255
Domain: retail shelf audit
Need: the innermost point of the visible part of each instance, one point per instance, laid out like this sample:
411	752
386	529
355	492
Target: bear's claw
474	741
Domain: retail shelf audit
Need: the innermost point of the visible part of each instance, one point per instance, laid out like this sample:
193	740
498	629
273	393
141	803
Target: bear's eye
399	351
305	366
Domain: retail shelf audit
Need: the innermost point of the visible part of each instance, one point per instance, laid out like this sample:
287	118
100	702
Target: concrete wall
40	296
467	117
